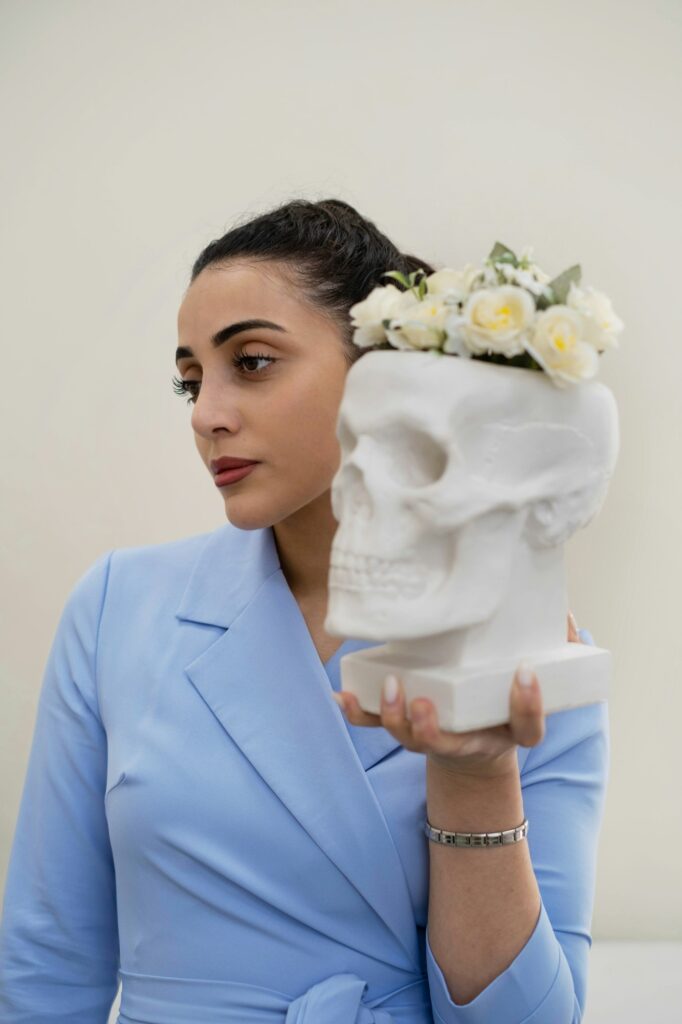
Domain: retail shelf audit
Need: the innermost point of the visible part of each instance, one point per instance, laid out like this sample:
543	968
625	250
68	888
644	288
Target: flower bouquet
505	311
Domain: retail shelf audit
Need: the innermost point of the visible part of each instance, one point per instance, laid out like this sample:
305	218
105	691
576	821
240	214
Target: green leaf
542	301
399	276
561	285
523	360
501	253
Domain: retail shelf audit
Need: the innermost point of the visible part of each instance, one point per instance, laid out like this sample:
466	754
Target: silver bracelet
510	835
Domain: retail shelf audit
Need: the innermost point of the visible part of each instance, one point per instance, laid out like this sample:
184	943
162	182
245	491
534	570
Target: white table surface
634	983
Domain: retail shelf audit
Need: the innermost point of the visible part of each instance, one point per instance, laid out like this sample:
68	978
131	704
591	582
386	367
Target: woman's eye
184	387
240	361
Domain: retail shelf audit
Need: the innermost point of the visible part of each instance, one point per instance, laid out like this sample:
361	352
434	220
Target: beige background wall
134	132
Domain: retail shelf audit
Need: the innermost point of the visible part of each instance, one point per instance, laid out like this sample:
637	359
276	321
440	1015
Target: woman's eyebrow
225	333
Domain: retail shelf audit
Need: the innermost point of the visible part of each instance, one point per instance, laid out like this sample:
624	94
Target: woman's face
279	409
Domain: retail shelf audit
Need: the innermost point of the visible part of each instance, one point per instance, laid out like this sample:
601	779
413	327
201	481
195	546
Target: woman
199	813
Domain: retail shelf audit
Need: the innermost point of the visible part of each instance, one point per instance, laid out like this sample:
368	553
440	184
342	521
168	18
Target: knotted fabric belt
154	999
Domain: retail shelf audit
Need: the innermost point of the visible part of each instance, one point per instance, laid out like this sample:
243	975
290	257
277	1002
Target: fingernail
586	637
524	674
573	622
391	689
339	699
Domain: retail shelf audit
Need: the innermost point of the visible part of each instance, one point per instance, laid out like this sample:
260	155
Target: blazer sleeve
564	783
59	954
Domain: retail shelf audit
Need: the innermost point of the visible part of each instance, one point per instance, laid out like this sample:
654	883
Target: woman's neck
304	542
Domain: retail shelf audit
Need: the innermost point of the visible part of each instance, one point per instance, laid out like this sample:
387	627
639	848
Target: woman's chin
243	518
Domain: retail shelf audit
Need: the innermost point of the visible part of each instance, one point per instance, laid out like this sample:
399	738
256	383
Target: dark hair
331	253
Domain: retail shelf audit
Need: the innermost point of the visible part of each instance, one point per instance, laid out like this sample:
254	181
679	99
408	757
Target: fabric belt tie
338	999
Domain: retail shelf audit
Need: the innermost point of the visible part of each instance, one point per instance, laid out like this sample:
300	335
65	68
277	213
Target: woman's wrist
474	803
470	773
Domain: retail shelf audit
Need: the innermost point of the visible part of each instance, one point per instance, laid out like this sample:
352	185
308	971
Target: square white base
477	697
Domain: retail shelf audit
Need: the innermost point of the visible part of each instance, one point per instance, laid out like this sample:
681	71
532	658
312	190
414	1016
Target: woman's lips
230	476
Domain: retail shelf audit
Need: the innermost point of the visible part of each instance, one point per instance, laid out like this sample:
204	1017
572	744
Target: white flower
382	303
601	323
527	279
489	278
419	325
525	257
452	284
497	319
556	342
455	342
539	274
532	278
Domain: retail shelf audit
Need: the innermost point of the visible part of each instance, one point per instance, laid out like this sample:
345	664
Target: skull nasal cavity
416	459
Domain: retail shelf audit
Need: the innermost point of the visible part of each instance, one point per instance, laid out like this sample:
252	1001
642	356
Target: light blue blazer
199	818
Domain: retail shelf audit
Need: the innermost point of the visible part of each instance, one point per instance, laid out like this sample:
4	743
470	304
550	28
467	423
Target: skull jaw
498	596
467	668
374	594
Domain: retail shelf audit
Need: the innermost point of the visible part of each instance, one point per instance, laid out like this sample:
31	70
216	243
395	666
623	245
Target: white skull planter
460	481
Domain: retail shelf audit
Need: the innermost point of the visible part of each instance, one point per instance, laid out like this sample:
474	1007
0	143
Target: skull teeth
352	571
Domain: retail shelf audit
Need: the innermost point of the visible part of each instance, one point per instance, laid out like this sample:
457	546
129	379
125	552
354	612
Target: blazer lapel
265	683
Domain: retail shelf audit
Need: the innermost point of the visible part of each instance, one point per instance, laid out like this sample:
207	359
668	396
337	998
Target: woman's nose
213	410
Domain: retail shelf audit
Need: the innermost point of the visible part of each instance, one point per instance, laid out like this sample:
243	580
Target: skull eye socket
415	459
